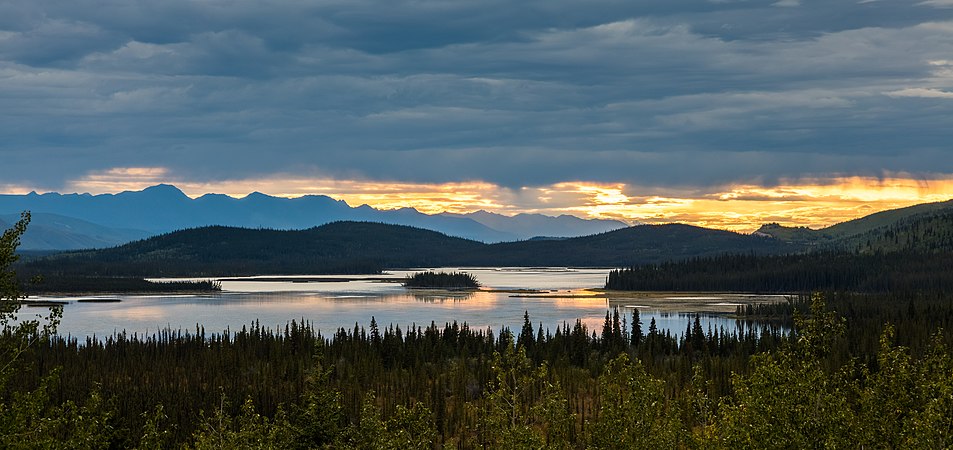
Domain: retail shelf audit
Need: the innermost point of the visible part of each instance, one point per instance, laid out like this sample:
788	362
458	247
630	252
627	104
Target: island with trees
441	280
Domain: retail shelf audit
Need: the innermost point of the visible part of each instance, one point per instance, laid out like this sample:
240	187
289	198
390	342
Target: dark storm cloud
516	93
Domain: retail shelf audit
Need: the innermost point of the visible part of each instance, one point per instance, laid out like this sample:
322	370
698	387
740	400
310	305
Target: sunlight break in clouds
741	207
428	198
120	179
14	189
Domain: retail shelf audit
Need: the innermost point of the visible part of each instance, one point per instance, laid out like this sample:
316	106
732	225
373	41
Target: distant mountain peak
162	189
213	195
322	197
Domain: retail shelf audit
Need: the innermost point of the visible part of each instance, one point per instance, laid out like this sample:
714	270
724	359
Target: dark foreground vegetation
857	371
443	280
837	369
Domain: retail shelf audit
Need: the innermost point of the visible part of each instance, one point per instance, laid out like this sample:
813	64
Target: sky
719	113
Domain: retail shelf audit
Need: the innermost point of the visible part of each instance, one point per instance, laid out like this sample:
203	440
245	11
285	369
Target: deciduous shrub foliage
870	370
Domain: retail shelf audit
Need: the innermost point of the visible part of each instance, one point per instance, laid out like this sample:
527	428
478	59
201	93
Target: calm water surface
331	305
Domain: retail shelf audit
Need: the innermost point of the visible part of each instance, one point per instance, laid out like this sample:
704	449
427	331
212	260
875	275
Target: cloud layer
815	203
682	94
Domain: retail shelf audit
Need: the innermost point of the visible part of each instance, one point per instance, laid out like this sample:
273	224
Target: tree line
838	369
857	358
905	271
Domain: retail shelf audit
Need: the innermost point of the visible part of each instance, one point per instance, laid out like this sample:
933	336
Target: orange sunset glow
815	203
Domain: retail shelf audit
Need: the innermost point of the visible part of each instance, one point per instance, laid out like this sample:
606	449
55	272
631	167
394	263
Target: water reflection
676	323
442	296
559	296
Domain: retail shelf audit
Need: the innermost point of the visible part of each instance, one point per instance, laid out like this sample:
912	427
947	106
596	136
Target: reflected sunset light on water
551	296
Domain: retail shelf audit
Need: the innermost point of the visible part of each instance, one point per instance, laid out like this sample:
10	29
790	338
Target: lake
551	296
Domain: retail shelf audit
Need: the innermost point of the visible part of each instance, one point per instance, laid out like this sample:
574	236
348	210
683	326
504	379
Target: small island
441	280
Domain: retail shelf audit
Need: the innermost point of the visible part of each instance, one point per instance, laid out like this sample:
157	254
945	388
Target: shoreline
115	293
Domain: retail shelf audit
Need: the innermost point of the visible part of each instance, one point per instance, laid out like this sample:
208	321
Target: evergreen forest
842	365
445	280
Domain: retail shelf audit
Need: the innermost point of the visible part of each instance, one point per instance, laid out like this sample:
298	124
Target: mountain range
368	247
78	221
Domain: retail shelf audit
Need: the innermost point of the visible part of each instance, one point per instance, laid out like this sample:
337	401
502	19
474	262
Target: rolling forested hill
638	244
908	250
844	235
929	233
364	247
341	248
